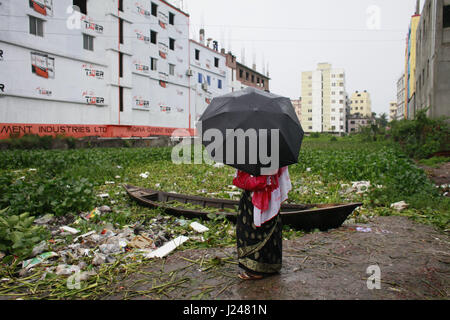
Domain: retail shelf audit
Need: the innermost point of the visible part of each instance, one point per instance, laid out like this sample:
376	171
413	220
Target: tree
382	120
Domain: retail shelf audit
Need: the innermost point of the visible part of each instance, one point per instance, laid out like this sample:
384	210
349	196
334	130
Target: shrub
18	235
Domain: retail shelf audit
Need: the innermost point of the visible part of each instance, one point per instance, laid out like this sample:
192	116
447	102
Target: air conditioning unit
189	73
205	86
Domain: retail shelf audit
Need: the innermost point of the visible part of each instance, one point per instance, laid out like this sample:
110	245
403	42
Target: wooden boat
305	217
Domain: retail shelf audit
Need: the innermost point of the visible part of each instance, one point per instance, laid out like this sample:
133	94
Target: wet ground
414	261
439	175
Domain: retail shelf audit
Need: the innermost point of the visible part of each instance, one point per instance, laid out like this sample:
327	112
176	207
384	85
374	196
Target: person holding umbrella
247	125
259	226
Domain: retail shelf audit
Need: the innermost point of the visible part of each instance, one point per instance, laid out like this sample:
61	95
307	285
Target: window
247	75
200	78
446	17
197	54
171	44
241	73
171	18
153	36
216	62
219	84
154	9
310	128
333	118
36	26
309	119
171	69
257	80
253	78
209	80
309	110
121	99
121	31
88	42
120	64
82	6
153	64
121	5
263	82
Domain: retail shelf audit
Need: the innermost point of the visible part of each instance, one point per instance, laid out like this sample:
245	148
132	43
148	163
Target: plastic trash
28	264
69	230
198	227
38	249
105	209
99	259
141	242
144	175
362	229
399	206
103	195
110	248
167	248
218	165
44	220
66	270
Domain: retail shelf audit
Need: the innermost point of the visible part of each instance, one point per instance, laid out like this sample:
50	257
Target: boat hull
298	216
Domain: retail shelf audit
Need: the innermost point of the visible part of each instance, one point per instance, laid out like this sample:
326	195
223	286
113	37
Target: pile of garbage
90	250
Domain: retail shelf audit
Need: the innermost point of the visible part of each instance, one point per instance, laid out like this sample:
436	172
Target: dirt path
413	258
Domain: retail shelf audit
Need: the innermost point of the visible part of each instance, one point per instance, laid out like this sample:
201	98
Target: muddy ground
414	260
439	175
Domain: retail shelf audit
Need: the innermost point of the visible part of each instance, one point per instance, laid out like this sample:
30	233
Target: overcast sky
294	35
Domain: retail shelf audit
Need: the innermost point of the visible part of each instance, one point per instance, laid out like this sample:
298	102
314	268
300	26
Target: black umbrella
246	129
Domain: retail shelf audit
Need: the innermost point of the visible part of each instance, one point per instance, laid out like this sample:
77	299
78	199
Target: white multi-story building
209	76
114	68
400	97
324	100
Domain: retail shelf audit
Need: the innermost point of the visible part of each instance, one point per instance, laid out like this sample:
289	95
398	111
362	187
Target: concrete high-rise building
410	65
360	103
297	104
432	73
103	68
401	97
393	110
323	100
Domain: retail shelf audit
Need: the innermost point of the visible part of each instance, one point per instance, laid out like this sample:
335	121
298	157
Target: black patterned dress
259	248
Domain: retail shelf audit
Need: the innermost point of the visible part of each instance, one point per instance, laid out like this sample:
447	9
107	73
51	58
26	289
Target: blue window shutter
220	84
199	77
